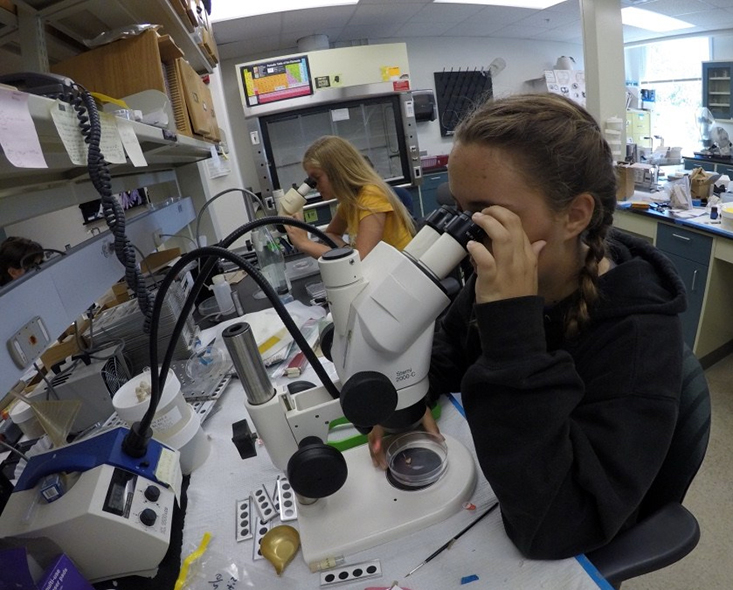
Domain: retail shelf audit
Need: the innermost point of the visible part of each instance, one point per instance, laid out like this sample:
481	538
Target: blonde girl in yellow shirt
368	211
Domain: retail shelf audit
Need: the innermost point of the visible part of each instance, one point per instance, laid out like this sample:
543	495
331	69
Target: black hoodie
569	433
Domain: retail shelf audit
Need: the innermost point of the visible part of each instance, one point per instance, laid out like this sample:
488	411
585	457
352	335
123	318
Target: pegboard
458	93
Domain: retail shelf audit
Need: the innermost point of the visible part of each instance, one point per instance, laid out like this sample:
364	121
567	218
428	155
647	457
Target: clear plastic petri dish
416	460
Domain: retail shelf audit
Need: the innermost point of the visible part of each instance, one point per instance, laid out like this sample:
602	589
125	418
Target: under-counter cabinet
429	192
690	253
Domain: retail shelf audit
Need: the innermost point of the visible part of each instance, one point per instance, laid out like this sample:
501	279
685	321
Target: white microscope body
383	310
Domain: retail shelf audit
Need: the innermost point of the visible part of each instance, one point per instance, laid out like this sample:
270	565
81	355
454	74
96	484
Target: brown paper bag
701	183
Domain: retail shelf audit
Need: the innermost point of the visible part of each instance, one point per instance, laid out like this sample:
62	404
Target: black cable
140	432
89	123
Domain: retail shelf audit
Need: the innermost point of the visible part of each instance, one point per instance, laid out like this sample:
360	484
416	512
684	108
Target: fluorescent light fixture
536	4
651	21
229	9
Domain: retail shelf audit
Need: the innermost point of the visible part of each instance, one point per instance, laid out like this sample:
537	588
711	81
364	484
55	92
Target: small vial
326	564
713	212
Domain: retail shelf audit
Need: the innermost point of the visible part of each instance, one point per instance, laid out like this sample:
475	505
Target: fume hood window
371	125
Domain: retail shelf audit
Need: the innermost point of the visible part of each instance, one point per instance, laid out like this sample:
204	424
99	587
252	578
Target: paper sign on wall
339	115
18	136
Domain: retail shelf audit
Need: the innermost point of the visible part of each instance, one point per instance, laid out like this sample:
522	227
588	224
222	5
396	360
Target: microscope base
368	510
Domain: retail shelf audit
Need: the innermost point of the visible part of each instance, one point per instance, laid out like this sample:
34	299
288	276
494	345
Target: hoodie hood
644	280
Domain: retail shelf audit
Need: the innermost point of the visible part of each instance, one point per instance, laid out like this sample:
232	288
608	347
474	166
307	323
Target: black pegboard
458	92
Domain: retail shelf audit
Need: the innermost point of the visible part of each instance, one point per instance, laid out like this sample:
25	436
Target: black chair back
689	442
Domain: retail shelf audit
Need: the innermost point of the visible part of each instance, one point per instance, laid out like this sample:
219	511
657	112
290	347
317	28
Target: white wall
526	60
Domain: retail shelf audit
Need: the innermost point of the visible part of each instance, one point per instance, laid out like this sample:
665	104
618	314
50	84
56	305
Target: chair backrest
689	442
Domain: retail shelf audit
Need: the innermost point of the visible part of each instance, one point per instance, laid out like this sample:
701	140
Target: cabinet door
694	275
716	88
428	191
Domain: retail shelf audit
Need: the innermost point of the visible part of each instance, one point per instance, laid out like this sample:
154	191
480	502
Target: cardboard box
148	61
625	179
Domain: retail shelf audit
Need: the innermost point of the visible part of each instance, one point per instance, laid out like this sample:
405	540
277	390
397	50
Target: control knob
148	517
152	493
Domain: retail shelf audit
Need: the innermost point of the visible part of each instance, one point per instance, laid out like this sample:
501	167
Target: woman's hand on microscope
506	264
376	436
296	235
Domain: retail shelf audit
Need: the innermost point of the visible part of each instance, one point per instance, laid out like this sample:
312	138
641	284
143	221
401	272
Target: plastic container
223	293
172	412
726	217
416	459
271	260
25	418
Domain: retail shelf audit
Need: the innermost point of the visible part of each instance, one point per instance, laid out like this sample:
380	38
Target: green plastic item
360	439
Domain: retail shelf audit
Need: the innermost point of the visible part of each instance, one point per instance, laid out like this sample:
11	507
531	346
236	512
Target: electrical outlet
27	344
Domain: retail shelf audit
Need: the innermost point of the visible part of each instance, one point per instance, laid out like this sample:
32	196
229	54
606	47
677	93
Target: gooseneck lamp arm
135	443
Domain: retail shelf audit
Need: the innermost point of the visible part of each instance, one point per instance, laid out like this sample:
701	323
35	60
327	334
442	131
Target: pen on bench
454	539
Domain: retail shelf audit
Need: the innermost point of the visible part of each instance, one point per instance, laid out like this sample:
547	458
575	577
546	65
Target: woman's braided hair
562	152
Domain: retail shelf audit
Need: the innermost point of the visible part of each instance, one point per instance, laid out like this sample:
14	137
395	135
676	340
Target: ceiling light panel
535	4
651	21
229	9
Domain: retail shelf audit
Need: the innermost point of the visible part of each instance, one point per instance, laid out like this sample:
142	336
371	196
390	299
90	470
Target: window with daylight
673	69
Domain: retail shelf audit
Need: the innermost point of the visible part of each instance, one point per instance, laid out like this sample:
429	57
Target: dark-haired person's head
17	255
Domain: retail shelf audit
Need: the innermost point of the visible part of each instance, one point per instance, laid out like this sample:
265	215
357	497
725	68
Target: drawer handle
694	280
679	237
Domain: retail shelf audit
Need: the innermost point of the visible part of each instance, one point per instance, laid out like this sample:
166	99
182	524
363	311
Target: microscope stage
368	510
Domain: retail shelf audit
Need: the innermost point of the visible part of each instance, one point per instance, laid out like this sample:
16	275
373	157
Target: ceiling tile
312	19
546	20
240	28
423	29
676	7
438	13
569	32
517	32
375	14
716	18
377	31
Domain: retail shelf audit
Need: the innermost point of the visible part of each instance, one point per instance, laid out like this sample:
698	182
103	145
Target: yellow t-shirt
372	200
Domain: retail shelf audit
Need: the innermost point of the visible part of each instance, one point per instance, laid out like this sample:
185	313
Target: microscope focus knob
368	398
148	517
152	493
316	470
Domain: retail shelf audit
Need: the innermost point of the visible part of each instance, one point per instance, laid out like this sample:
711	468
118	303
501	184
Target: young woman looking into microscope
565	345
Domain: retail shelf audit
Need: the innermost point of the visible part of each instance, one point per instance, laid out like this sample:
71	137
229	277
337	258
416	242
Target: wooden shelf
85	19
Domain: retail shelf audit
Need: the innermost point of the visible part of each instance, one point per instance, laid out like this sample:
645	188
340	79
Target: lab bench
486	551
703	254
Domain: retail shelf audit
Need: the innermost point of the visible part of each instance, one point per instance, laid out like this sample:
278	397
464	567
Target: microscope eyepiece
462	229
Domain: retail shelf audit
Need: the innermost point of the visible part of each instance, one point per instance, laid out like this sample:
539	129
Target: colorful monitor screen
280	79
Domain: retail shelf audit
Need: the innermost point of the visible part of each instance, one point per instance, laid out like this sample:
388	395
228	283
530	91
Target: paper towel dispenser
424	101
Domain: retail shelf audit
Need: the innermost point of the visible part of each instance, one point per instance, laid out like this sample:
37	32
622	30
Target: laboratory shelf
162	149
71	23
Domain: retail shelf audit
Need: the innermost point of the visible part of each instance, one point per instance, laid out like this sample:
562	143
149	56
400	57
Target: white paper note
67	126
18	136
110	142
131	143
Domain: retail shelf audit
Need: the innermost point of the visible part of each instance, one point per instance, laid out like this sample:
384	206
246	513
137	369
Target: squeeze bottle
223	293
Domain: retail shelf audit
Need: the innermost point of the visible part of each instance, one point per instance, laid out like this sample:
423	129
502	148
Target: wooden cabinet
717	88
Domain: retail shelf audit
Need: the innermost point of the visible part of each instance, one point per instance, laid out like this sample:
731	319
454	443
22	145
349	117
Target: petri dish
416	460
